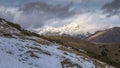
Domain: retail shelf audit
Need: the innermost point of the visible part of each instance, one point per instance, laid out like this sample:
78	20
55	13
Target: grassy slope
108	53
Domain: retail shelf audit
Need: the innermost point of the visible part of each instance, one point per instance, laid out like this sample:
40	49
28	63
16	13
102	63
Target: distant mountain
83	36
69	29
111	35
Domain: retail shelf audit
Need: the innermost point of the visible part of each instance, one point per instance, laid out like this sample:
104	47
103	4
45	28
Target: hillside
108	53
20	48
111	35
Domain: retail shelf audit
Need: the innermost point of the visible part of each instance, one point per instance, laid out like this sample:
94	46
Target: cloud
58	11
112	8
88	22
36	13
16	16
7	13
83	23
92	22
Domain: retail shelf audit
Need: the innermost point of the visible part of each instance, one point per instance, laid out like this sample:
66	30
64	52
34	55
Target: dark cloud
44	12
59	11
38	13
112	8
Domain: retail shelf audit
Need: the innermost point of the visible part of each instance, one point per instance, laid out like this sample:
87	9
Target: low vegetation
29	33
23	31
102	52
17	26
104	59
7	35
67	64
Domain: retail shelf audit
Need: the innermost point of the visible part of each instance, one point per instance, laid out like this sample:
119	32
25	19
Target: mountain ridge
111	35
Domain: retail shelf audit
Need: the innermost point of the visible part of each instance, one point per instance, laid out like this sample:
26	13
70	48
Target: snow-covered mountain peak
66	29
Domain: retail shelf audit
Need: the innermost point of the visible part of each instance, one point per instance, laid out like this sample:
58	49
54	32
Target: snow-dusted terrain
19	50
19	53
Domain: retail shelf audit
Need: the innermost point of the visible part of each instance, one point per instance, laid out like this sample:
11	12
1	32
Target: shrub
25	32
28	33
116	54
104	59
0	19
119	46
118	50
7	35
35	34
17	26
104	53
32	54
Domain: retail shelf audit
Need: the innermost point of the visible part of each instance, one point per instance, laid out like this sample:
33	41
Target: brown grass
106	53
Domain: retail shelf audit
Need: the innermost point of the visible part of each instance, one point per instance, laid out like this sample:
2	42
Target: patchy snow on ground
19	53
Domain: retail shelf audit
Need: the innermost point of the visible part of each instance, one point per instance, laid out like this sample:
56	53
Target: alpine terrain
20	48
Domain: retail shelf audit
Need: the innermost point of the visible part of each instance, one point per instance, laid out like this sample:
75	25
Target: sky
90	15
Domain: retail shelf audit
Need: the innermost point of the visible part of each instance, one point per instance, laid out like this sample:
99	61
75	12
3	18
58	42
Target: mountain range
69	29
20	48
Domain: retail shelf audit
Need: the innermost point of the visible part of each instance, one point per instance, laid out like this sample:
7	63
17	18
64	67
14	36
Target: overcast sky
56	13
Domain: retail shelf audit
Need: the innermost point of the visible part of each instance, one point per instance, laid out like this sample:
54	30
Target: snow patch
19	53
